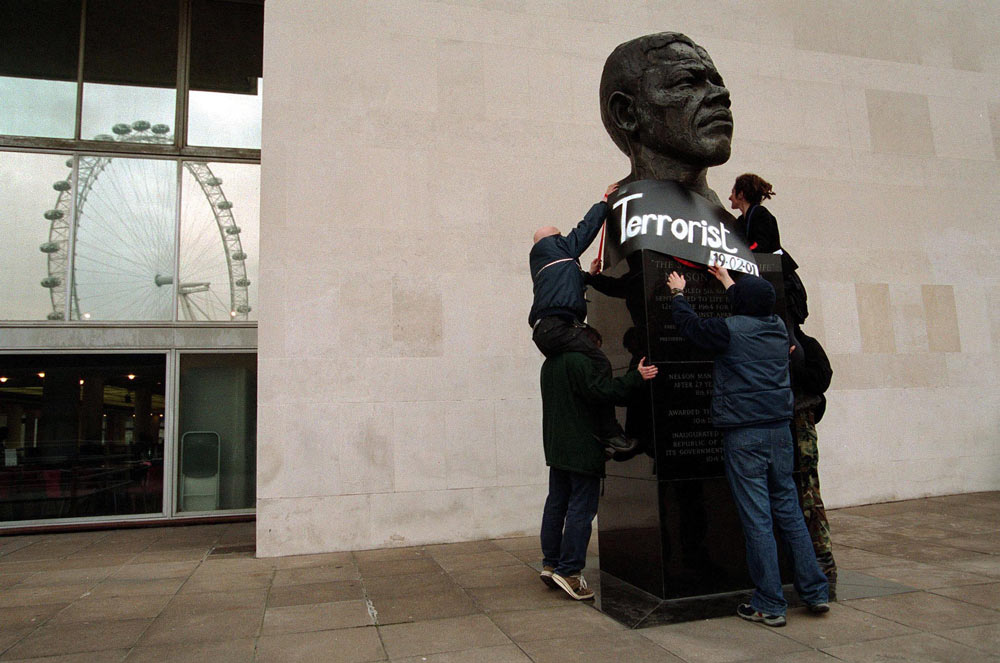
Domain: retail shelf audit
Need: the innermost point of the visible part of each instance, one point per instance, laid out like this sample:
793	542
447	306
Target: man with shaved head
559	309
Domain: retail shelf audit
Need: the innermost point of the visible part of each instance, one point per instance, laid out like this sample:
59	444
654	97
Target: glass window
220	219
129	66
38	67
81	435
224	102
35	199
217	432
123	264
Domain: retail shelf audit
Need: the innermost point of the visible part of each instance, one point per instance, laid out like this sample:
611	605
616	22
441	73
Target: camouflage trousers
812	501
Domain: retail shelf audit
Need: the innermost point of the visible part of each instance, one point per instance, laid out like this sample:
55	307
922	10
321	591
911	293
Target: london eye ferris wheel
116	241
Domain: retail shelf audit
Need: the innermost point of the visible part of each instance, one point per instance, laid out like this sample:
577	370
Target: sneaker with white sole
747	612
574	585
819	608
546	576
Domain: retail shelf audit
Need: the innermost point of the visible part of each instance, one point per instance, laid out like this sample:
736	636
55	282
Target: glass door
216	432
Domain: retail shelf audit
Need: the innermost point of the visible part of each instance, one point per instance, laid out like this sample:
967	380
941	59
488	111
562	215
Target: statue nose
720	95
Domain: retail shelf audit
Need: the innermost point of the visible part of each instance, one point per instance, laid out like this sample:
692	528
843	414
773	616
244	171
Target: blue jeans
567	520
759	463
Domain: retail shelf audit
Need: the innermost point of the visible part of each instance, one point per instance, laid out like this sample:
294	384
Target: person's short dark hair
623	71
753	188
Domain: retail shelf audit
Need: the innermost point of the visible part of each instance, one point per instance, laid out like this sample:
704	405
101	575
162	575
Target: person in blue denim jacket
752	405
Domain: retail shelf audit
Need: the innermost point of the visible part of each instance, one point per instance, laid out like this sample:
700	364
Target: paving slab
929	572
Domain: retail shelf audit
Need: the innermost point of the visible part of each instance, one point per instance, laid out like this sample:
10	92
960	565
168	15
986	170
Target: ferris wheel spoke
162	202
144	304
223	305
133	221
112	229
116	261
191	303
111	288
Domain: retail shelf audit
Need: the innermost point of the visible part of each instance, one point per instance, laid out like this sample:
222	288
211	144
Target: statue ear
621	108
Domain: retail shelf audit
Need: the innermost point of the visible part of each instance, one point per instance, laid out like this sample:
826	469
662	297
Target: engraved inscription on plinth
667	522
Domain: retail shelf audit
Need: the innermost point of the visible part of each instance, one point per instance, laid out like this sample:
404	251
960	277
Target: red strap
688	264
600	247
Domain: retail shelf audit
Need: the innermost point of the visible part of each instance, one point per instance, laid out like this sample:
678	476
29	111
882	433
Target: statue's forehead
680	53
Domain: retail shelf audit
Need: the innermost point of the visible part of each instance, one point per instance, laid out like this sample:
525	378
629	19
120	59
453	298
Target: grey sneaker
746	611
819	608
574	585
546	576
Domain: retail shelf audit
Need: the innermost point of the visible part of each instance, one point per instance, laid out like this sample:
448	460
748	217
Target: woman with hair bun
760	229
757	224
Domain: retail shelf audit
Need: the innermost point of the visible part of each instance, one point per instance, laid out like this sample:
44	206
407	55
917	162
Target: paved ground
191	594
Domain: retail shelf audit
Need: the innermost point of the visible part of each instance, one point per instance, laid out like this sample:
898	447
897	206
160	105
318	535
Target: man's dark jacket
559	286
811	375
751	386
571	386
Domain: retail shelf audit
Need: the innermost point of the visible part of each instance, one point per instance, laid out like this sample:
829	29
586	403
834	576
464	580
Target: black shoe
819	608
619	444
746	611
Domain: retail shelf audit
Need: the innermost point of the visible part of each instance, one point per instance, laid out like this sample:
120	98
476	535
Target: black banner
665	217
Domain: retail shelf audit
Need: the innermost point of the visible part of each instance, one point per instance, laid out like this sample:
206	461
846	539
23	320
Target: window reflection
225	72
35	201
123	263
81	435
129	64
220	211
38	67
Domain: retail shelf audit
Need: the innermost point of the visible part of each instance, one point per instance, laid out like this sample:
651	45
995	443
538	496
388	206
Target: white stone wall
411	147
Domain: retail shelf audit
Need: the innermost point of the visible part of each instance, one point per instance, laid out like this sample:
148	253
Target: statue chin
720	155
674	165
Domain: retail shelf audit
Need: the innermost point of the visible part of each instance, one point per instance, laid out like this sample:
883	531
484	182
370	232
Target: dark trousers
567	520
554	335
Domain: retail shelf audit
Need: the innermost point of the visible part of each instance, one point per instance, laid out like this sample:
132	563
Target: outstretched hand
675	281
611	189
722	274
647	372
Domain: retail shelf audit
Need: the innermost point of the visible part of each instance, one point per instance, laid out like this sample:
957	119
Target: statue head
666	107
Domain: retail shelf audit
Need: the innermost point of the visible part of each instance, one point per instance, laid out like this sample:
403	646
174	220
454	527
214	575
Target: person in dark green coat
572	388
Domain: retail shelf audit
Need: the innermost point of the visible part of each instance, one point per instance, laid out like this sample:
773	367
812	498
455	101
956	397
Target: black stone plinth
671	544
